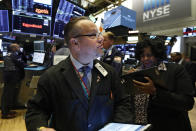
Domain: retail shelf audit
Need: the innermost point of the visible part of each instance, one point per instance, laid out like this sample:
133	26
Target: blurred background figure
171	44
190	67
112	55
13	74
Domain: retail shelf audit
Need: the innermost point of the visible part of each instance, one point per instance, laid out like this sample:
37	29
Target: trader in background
112	55
13	74
189	66
80	93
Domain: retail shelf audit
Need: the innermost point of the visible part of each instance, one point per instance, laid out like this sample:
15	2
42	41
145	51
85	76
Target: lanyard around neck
82	82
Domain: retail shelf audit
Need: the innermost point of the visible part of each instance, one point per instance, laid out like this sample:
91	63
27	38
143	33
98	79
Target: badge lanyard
84	87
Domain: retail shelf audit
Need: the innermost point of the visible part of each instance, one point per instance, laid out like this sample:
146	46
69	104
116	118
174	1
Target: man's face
17	48
107	43
90	47
147	58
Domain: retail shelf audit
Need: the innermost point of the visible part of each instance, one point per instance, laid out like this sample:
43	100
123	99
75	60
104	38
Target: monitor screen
32	16
65	12
41	7
152	37
126	57
189	31
132	39
38	57
5	45
39	45
1	49
4	53
4	21
124	127
167	40
30	24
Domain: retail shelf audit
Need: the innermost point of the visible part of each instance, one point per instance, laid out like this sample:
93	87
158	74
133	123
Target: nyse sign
156	13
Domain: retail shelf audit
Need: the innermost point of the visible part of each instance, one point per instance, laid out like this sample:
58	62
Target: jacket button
89	125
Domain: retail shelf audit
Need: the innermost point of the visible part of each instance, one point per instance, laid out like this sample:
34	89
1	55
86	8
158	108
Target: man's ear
74	41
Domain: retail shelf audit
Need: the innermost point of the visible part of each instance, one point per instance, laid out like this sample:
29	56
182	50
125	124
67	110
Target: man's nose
100	39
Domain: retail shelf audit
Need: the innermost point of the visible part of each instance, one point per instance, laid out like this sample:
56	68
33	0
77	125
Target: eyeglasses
92	36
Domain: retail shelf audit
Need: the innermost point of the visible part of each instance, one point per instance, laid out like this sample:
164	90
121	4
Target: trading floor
17	124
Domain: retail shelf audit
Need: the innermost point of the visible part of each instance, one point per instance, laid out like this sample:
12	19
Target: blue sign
120	16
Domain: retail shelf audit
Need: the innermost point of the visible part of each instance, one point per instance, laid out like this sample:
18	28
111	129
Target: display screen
31	24
167	40
43	7
38	57
124	127
1	49
132	39
4	21
189	31
32	16
65	12
152	37
39	45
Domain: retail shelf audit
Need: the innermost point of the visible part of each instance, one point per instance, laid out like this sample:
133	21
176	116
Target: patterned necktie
85	70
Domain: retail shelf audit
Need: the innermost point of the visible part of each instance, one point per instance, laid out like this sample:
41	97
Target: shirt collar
110	48
78	65
180	62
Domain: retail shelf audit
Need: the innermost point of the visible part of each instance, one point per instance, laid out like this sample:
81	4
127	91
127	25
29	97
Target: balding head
14	47
71	29
109	38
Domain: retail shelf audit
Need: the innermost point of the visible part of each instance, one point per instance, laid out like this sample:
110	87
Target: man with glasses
80	93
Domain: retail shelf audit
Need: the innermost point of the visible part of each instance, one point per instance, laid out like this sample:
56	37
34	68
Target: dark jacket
14	64
109	59
191	69
60	98
168	110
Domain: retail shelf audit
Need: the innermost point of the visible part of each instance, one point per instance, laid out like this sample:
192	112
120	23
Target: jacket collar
70	75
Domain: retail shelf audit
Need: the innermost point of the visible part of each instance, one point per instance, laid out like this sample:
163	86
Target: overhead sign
158	11
120	16
154	9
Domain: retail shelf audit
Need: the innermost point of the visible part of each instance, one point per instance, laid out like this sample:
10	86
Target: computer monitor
32	16
39	46
38	57
1	48
66	10
167	40
187	32
4	53
132	39
4	21
126	57
40	7
30	24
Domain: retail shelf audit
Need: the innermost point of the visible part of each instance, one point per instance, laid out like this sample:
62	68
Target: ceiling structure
91	6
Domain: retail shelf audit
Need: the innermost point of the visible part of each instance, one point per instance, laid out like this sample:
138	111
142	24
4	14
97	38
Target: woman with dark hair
165	107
